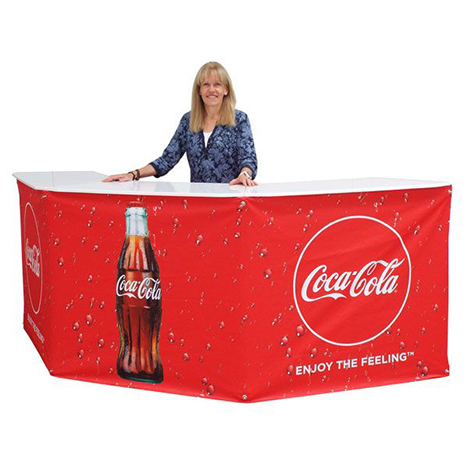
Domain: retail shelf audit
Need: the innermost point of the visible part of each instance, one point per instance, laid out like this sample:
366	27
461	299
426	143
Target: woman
216	137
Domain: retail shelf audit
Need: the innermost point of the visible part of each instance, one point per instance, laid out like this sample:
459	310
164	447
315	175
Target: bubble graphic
241	206
263	252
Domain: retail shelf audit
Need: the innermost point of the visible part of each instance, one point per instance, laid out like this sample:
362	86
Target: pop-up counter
233	293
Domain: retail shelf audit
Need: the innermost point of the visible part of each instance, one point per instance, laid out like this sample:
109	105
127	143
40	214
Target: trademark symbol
410	353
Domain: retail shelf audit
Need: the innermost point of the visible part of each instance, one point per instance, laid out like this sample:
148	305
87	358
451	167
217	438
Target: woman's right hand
119	178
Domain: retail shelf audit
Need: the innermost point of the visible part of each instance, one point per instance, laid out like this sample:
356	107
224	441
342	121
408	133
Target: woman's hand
137	174
242	179
119	178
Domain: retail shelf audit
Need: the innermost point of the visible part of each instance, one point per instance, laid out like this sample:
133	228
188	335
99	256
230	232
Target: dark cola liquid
138	306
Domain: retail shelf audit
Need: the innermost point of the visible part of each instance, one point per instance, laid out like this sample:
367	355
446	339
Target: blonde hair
227	115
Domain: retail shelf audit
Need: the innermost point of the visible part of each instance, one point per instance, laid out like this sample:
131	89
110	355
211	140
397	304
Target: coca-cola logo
364	281
33	258
352	280
148	288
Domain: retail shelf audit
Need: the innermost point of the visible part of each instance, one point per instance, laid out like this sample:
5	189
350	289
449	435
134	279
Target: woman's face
212	91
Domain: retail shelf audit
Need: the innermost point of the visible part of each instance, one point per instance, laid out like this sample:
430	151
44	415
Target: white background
333	89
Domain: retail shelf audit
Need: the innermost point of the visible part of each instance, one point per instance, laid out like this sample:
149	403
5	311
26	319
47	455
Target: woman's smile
212	91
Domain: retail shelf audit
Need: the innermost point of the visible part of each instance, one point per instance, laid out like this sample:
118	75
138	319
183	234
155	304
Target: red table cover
262	297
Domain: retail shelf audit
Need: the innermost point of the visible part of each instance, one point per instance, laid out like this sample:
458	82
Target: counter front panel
238	298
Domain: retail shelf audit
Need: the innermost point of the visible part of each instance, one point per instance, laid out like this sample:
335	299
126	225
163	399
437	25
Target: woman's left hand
243	180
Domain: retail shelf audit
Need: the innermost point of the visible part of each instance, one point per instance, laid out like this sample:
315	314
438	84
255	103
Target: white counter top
91	182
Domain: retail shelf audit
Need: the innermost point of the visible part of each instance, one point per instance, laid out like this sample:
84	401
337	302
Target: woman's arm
160	166
145	171
174	151
247	154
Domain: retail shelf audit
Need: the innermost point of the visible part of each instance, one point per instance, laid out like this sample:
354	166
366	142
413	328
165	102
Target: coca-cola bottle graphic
139	309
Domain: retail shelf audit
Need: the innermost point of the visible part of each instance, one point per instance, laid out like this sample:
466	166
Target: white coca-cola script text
32	258
365	281
148	288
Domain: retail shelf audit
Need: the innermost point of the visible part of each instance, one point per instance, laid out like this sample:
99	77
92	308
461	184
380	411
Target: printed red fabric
243	299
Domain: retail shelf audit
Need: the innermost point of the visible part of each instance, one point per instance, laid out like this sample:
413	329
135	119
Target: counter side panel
35	254
198	248
310	331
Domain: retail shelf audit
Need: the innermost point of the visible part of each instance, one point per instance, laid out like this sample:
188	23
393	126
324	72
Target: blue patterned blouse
229	149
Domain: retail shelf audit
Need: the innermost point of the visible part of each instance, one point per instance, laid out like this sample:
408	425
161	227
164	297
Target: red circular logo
33	258
352	280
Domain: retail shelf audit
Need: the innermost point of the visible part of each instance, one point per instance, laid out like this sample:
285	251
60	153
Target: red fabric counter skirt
241	298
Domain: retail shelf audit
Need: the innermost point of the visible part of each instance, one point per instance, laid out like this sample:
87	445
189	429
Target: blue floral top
229	149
